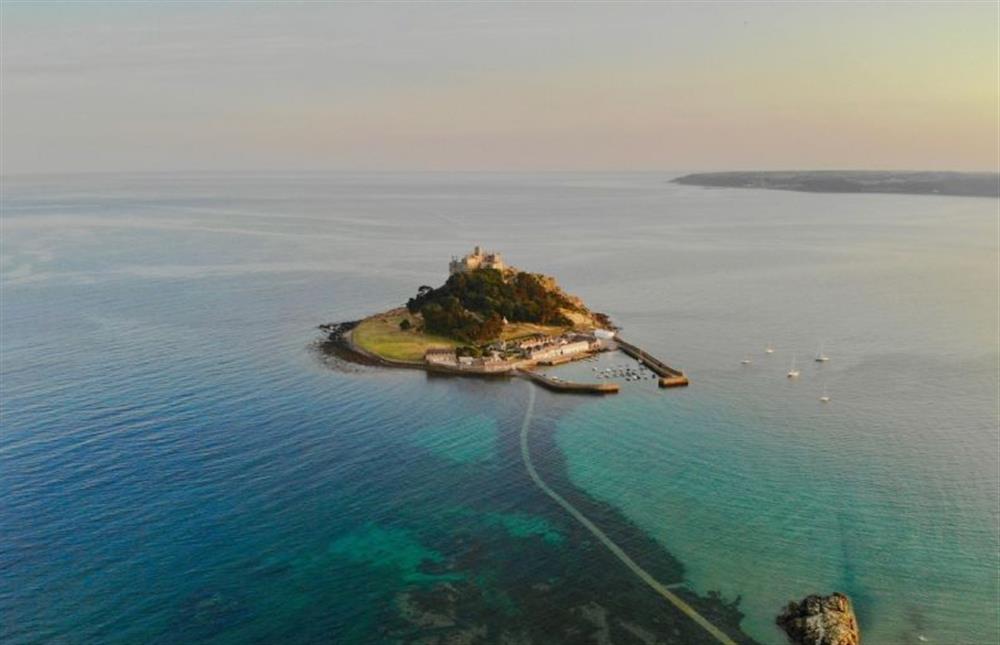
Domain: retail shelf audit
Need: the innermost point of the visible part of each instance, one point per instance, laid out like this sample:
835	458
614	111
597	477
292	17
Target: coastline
868	182
340	341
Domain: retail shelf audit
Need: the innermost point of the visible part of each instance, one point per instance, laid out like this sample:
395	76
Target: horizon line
441	171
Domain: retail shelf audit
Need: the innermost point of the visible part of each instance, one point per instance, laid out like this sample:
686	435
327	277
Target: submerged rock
821	620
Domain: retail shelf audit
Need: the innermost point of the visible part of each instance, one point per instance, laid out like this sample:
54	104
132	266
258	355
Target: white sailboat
746	361
826	397
770	349
820	356
793	372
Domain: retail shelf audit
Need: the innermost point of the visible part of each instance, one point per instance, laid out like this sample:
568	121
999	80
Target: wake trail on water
659	588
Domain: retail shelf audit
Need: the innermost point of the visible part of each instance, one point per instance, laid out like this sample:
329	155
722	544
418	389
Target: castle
476	260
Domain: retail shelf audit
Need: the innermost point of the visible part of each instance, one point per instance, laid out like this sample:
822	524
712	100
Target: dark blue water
179	464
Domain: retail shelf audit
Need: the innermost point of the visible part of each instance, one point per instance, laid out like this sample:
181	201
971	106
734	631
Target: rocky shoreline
338	344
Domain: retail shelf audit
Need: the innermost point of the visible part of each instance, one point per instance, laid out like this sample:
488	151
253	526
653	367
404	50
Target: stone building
478	259
440	356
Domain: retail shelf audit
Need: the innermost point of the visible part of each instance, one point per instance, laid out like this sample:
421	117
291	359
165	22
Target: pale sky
499	86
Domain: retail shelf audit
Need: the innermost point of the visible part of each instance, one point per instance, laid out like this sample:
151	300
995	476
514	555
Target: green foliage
471	305
405	324
469	350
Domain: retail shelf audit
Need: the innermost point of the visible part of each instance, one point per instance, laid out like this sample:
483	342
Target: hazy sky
668	85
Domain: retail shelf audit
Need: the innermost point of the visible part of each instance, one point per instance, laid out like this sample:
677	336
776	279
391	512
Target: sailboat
770	349
826	397
746	361
793	372
820	356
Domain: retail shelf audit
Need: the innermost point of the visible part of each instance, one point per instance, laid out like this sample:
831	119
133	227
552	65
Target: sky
674	86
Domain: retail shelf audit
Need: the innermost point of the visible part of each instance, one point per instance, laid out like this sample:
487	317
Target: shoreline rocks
335	331
821	620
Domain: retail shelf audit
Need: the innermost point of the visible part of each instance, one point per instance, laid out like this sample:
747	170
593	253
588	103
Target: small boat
820	356
769	349
793	372
746	361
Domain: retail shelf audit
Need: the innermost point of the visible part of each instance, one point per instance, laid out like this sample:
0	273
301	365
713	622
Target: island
821	620
491	319
963	184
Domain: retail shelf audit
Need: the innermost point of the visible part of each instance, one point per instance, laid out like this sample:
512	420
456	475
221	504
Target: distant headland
490	319
962	184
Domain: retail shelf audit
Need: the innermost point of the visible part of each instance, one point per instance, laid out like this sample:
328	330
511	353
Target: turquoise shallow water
180	465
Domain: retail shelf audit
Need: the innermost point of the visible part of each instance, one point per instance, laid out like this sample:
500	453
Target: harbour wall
568	386
669	377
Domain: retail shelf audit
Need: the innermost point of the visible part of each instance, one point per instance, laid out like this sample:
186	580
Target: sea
182	462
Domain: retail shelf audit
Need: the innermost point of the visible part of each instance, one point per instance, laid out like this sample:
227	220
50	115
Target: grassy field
382	336
519	330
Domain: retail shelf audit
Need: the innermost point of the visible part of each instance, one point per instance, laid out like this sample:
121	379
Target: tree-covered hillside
471	306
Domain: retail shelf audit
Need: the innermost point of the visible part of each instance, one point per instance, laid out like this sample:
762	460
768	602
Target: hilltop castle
476	260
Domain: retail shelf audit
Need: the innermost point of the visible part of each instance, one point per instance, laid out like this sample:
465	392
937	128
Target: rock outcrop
821	620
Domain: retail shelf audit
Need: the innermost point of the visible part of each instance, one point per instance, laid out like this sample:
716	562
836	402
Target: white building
440	356
557	351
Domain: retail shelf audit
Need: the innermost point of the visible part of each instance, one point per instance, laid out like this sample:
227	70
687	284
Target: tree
471	305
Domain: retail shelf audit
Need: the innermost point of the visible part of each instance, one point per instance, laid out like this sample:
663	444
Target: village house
533	342
562	349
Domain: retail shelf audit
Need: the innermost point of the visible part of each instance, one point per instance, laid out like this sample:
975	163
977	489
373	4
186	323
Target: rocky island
489	318
821	620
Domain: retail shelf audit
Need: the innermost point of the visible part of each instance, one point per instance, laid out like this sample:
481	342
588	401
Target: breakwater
560	385
669	377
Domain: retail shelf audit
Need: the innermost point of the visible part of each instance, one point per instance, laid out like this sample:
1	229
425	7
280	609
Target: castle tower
476	260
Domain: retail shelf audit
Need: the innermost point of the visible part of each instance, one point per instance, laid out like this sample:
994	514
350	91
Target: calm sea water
179	464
